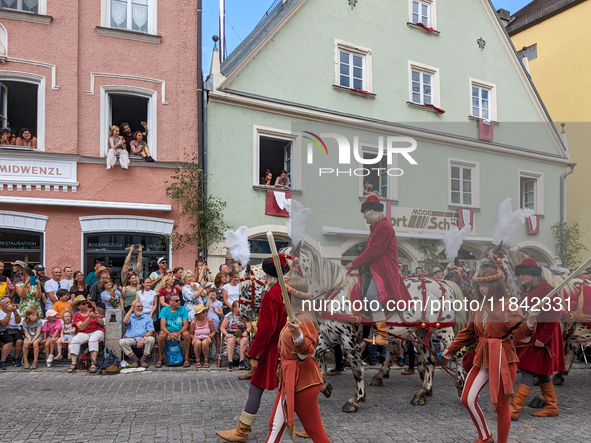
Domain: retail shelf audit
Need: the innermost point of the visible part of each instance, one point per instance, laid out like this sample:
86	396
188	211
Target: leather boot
253	367
381	335
519	400
243	428
551	407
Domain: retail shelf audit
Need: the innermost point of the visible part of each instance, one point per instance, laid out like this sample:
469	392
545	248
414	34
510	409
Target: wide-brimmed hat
436	269
99	270
77	300
19	263
199	309
269	266
528	266
372	203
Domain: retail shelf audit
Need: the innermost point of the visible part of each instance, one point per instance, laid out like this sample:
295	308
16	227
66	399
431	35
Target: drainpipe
200	83
562	203
204	146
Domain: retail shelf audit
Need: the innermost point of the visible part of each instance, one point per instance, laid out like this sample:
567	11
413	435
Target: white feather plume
453	240
296	226
237	243
508	222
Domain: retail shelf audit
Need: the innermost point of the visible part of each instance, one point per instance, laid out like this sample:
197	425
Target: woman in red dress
263	352
543	354
495	358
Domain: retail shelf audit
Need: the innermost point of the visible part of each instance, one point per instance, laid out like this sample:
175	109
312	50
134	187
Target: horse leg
426	369
384	371
569	358
323	346
353	348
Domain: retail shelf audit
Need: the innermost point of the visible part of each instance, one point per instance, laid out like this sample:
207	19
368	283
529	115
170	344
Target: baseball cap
50	313
161	258
39	267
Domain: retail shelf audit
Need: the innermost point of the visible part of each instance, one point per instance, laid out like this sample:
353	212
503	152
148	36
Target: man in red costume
380	276
543	354
263	351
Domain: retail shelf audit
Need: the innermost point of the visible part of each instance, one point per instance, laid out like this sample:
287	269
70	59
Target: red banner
533	224
465	217
486	130
272	206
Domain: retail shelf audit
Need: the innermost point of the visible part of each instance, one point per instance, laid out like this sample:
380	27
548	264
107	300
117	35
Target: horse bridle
460	273
253	281
497	262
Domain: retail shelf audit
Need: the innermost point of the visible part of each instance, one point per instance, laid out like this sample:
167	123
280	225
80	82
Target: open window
19	106
132	105
378	179
275	154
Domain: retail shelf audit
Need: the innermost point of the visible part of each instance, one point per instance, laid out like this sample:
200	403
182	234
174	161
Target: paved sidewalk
183	405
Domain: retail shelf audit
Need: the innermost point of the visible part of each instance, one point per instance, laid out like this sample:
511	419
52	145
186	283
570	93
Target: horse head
459	273
252	289
504	261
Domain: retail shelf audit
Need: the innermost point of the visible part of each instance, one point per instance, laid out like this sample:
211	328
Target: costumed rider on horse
378	265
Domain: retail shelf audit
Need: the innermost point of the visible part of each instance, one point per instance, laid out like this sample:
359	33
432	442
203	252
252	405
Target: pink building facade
68	72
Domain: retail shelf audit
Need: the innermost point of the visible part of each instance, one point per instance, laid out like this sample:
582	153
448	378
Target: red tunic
381	254
272	319
539	360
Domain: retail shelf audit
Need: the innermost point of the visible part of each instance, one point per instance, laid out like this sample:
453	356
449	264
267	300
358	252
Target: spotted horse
330	282
576	321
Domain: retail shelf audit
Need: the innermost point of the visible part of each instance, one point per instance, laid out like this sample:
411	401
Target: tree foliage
568	246
430	251
205	214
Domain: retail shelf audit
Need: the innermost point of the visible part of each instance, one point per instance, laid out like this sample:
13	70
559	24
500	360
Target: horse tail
461	317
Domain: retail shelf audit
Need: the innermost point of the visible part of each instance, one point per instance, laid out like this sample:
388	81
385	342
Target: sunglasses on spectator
176	301
83	303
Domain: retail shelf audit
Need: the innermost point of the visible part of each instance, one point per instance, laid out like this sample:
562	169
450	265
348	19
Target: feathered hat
269	265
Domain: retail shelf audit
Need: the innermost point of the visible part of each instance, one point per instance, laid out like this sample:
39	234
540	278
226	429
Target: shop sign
38	172
423	220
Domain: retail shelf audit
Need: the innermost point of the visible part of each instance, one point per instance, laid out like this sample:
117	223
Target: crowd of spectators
25	138
59	312
123	143
282	180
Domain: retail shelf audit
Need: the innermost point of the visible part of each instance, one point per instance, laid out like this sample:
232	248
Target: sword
277	264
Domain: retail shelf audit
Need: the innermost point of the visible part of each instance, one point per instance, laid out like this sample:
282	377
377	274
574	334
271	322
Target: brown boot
243	428
253	367
519	400
551	407
381	335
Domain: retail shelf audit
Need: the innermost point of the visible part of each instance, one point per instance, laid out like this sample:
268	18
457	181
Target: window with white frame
462	181
275	154
424	84
131	105
131	15
378	179
421	12
530	191
483	100
32	6
353	66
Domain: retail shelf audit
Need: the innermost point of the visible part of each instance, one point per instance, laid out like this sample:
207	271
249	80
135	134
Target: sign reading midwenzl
423	220
37	171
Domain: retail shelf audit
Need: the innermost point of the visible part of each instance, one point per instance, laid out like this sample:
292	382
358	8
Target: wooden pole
277	264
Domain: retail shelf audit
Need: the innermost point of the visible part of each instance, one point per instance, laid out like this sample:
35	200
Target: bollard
114	329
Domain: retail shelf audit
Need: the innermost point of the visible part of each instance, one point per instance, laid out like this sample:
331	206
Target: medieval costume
543	354
263	352
380	276
300	383
495	358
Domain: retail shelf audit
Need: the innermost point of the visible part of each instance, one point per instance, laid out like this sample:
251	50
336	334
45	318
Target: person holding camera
29	291
91	329
10	332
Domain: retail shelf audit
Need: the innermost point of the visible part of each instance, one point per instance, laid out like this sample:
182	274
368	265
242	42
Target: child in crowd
148	298
67	334
51	331
32	328
214	311
63	303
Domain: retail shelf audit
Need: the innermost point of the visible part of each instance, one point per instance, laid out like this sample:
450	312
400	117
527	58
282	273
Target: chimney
505	16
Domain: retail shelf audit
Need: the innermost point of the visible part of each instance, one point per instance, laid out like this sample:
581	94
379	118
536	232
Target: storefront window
20	245
260	249
112	248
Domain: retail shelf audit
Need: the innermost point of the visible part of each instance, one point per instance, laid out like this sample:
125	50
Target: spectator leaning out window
7	137
267	179
117	148
139	147
283	181
26	138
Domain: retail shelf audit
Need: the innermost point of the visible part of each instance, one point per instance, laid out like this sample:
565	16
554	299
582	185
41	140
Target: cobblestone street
176	405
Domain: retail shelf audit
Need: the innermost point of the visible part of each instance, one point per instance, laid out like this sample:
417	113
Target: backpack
173	355
109	359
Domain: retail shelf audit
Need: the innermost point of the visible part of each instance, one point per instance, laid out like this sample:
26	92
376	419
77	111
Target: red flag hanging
485	129
272	205
533	224
465	217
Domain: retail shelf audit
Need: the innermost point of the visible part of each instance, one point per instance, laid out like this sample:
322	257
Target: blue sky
243	15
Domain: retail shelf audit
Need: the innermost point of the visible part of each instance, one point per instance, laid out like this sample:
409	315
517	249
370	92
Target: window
20	245
275	156
377	180
131	15
353	67
423	12
260	249
463	183
351	70
21	5
132	105
483	100
424	84
422	88
531	191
